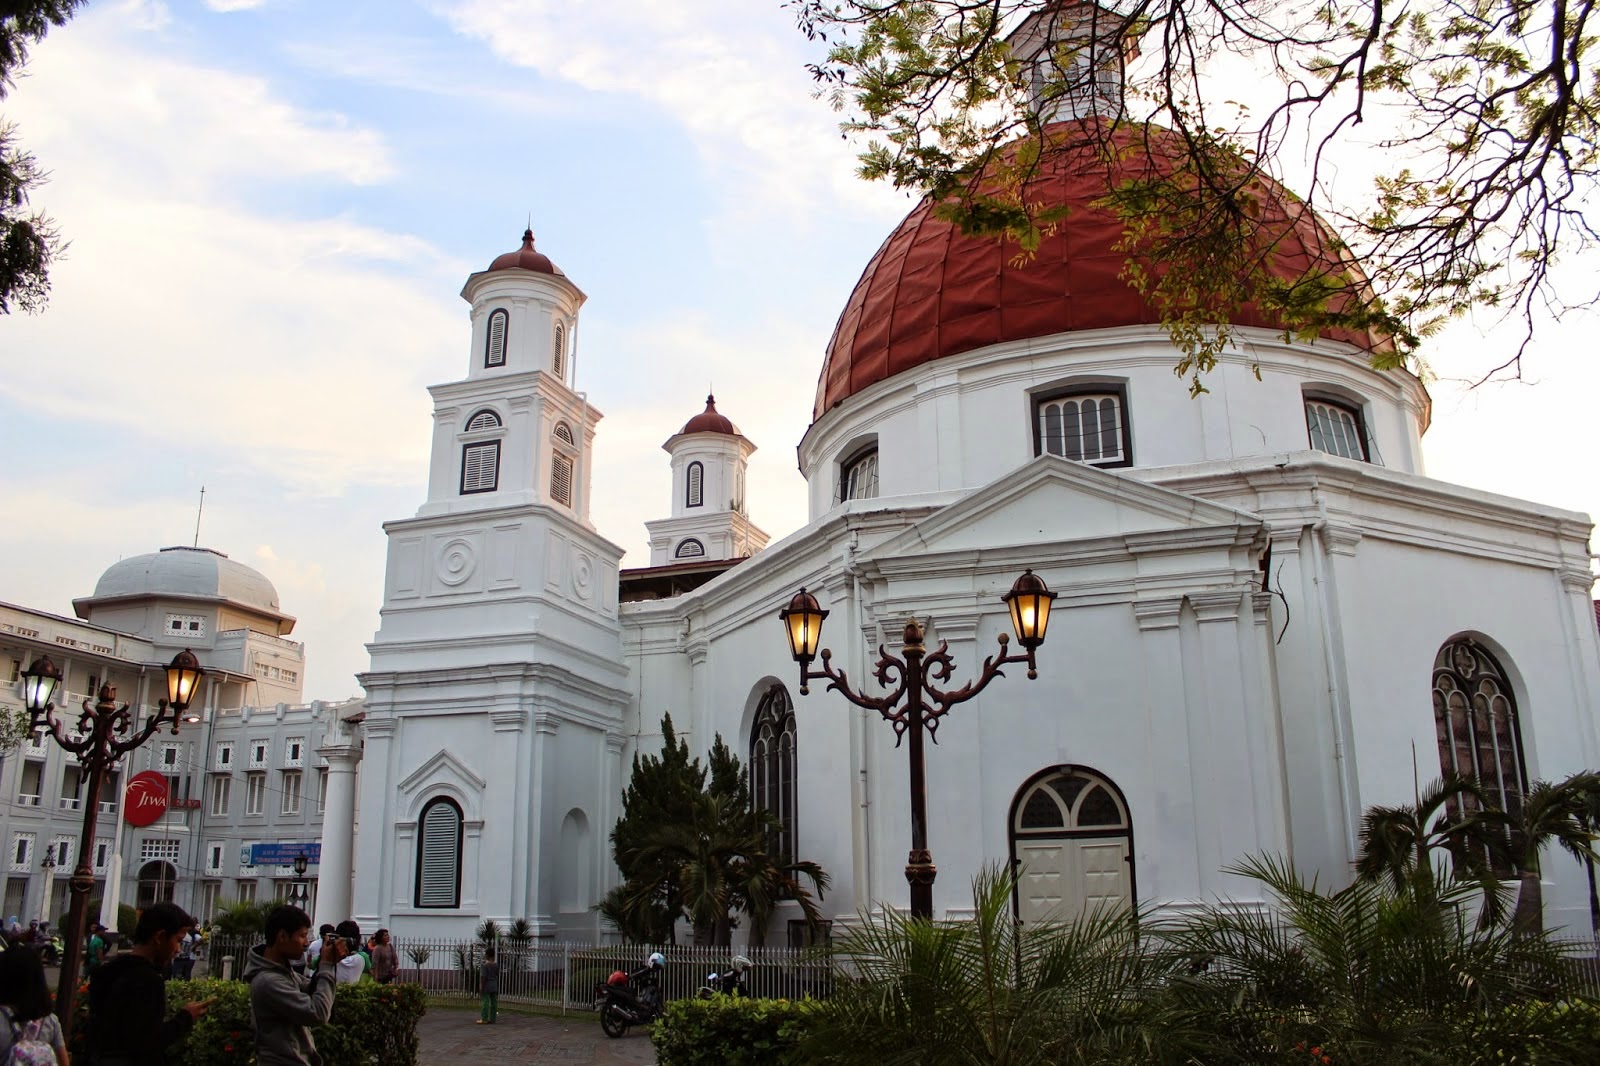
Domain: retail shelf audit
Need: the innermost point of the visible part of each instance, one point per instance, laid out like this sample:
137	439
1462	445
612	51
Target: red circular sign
146	798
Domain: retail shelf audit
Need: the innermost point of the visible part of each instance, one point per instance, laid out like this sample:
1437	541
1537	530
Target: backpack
27	1047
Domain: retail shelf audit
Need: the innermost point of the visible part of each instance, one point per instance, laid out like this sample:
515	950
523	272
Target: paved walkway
452	1036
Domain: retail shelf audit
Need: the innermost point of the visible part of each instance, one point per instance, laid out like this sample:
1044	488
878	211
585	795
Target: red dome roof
931	291
525	258
710	421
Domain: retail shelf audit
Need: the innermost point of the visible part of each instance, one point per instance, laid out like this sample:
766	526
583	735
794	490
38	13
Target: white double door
1064	878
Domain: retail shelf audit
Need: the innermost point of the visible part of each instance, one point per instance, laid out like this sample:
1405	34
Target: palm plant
762	880
1548	813
696	858
520	932
488	932
1588	817
1399	845
991	990
1378	972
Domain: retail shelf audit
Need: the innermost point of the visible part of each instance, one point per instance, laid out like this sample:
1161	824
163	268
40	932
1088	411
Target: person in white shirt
314	949
353	965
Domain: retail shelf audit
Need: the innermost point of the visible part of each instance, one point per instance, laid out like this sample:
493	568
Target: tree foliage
1479	119
691	845
28	240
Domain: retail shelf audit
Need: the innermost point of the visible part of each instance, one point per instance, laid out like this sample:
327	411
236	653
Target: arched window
439	855
564	433
772	765
694	485
690	549
494	345
858	475
558	356
1476	722
1336	428
484	419
156	880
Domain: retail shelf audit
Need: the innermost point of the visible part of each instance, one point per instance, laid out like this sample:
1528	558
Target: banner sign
284	854
145	800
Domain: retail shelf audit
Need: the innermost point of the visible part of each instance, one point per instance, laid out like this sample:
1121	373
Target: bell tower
497	688
710	458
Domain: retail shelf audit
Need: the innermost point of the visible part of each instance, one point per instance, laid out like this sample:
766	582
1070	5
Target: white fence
565	975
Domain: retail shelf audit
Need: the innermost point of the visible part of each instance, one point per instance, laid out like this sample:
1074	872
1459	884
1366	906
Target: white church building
1268	617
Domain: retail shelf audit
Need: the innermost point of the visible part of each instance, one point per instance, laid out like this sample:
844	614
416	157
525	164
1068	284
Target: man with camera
286	1005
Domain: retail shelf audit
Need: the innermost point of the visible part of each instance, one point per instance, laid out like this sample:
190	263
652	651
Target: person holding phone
286	1005
128	1025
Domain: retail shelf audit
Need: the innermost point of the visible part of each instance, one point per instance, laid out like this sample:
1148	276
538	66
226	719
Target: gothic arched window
494	345
558	357
439	855
1475	718
772	765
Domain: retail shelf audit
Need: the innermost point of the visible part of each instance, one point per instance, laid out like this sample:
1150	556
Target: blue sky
273	205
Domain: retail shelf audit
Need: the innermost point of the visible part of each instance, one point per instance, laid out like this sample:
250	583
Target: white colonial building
1268	617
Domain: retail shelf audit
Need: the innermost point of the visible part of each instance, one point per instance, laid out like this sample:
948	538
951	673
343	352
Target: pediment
444	766
1052	499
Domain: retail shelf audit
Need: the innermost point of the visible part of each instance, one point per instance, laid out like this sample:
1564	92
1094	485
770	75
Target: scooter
628	999
727	983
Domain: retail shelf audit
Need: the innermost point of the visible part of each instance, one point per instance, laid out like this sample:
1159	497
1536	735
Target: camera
351	945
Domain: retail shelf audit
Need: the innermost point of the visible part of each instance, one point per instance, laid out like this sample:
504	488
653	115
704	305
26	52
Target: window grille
294	751
102	855
480	467
858	479
494	353
561	479
188	625
564	434
258	754
558	358
439	855
162	849
224	755
694	495
1084	428
483	420
772	765
22	851
213	858
690	549
1336	429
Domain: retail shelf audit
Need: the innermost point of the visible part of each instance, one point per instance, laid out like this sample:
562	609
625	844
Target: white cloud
730	72
235	5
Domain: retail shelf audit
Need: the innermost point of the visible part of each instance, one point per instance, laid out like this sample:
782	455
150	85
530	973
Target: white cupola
1076	53
514	431
709	520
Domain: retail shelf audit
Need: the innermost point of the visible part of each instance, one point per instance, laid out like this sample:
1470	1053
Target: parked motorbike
728	983
629	999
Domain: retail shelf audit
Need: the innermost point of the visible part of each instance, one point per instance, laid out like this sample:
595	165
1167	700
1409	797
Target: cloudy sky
272	205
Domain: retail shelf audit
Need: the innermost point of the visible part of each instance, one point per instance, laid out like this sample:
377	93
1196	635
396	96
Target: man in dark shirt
128	997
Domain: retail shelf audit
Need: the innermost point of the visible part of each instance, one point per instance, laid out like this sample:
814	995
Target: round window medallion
457	560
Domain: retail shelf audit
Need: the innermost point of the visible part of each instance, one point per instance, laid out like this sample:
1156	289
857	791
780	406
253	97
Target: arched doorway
156	880
1071	844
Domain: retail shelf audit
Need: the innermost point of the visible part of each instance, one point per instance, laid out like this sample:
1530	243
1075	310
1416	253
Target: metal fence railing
544	973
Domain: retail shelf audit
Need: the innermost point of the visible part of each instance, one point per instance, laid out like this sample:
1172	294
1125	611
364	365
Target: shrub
731	1031
371	1023
127	921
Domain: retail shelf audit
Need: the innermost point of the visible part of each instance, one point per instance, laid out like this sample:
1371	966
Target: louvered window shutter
480	467
495	349
561	480
438	872
696	478
558	360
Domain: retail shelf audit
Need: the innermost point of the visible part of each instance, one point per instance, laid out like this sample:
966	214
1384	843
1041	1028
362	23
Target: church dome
932	291
186	573
710	421
525	258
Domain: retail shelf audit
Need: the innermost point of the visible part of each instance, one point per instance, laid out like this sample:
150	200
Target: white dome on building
185	573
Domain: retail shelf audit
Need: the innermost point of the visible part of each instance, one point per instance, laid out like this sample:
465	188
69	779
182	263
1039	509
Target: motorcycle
628	999
727	983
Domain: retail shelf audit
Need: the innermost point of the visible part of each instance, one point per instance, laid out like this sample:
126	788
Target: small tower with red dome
709	521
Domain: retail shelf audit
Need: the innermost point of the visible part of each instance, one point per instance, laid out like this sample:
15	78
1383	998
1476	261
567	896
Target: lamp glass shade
300	864
1029	601
39	684
183	678
802	623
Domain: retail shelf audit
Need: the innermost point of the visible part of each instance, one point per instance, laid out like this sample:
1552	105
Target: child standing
489	986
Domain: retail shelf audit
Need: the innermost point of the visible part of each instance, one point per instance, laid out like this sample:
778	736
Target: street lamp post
913	704
104	733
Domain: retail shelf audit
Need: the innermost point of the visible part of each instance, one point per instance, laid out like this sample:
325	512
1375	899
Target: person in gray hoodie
285	1005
